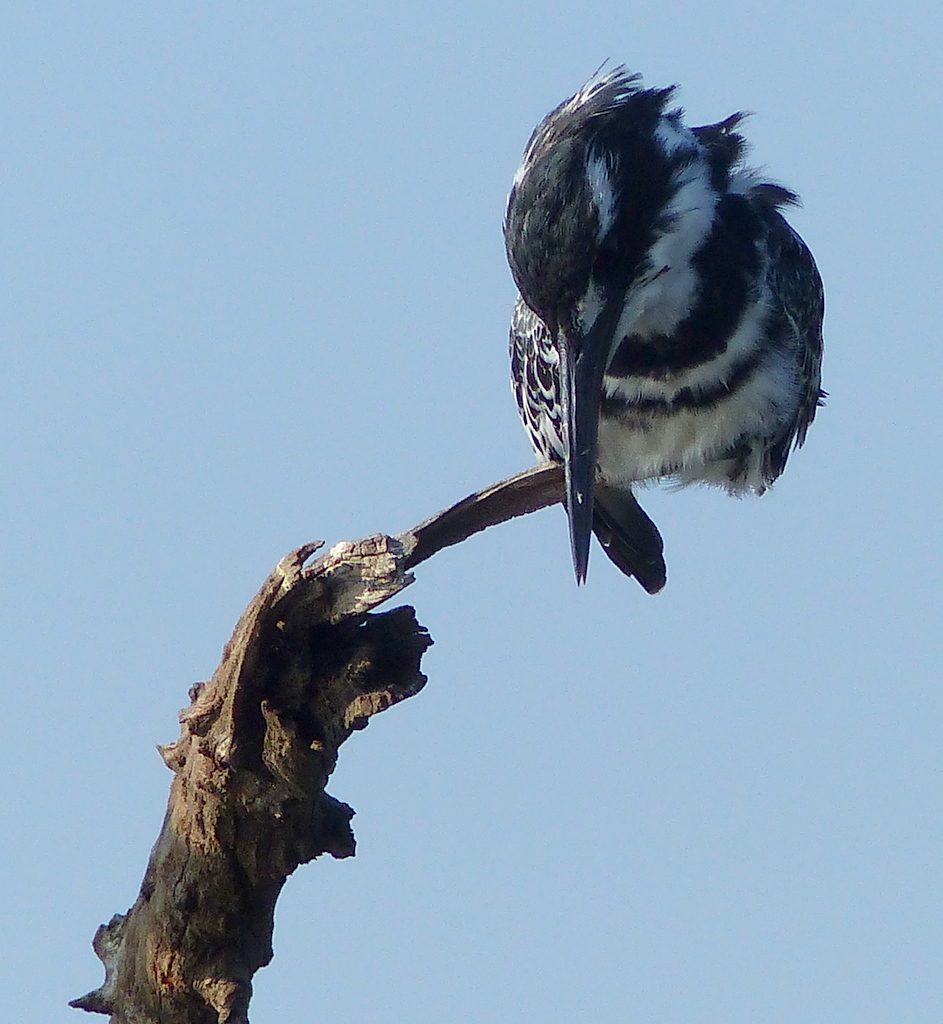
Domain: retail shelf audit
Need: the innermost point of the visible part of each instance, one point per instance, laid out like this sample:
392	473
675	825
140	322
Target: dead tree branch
307	665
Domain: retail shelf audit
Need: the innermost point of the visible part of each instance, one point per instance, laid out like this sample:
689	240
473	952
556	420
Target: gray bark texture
309	663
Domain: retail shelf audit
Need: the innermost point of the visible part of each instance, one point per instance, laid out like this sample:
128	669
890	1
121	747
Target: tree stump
309	663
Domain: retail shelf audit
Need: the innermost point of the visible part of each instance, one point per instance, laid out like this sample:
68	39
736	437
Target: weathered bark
307	664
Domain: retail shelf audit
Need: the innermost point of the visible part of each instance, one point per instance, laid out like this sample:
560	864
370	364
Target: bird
668	324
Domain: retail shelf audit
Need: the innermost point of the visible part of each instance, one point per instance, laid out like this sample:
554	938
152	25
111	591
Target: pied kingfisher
669	322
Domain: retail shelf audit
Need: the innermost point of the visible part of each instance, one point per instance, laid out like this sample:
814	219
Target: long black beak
583	362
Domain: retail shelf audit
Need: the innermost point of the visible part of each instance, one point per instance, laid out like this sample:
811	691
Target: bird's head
586	200
583	213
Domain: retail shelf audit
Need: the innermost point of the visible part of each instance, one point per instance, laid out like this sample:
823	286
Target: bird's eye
606	256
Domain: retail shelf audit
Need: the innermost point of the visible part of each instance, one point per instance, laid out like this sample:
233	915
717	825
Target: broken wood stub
307	665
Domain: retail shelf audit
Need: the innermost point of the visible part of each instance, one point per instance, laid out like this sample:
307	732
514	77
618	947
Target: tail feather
629	538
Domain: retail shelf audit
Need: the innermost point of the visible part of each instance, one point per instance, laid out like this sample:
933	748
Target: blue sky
253	293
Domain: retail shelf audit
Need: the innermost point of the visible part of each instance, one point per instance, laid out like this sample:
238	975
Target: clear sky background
254	293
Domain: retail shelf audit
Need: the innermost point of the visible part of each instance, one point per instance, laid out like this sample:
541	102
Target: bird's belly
721	445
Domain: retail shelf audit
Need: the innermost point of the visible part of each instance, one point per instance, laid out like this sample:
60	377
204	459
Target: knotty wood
309	662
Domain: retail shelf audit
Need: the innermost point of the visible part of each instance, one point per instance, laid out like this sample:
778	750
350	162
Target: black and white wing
535	377
800	298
